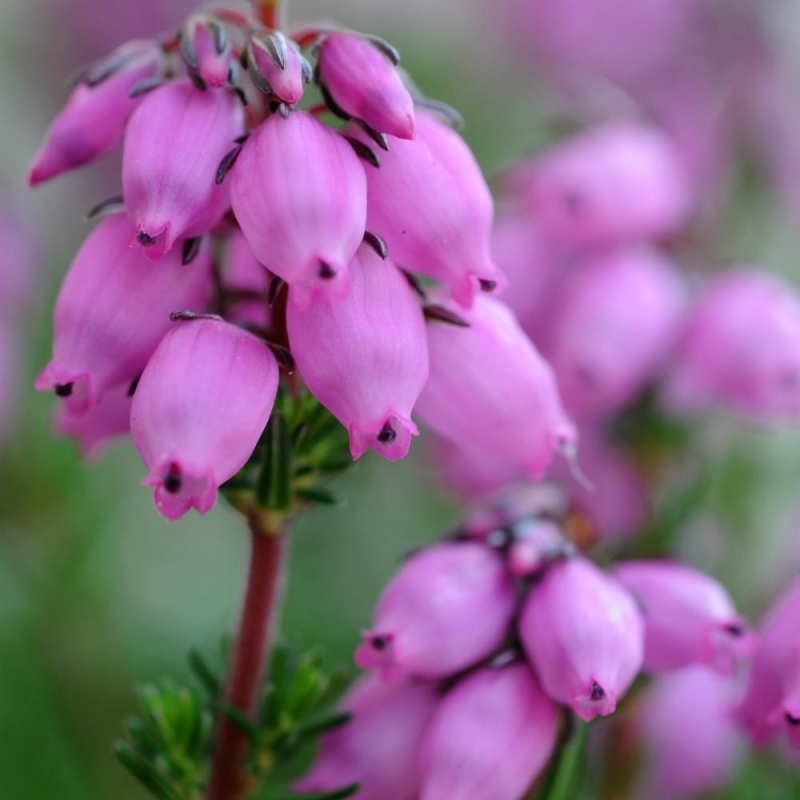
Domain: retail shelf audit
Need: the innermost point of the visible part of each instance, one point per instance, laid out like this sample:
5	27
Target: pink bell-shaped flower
379	748
689	618
771	698
300	195
113	310
584	636
692	747
174	144
490	737
360	77
449	606
202	403
619	318
489	389
206	49
95	428
430	202
278	68
94	118
620	182
741	349
365	356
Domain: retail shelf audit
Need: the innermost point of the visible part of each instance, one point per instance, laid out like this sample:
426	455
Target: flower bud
202	403
620	182
360	77
247	281
489	389
430	203
379	748
584	636
94	118
449	606
689	618
691	745
490	737
278	67
618	321
741	348
112	311
94	428
770	700
299	193
207	52
365	357
174	144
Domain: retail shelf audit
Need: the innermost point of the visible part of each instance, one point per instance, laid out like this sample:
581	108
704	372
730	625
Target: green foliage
168	747
303	446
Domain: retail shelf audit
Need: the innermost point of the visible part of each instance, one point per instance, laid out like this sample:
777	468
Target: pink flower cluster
486	635
586	236
218	158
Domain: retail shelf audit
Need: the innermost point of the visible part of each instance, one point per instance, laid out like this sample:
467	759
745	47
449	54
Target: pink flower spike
619	182
173	148
379	748
365	356
489	389
299	193
490	737
689	618
95	428
618	321
359	75
112	311
206	50
202	403
278	67
584	636
430	202
94	118
449	606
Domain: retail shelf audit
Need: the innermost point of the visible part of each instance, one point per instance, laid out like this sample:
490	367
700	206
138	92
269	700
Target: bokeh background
98	592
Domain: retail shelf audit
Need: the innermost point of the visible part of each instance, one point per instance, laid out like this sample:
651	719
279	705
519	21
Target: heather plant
303	264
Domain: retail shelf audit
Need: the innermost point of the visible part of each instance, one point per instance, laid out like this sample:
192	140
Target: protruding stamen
63	389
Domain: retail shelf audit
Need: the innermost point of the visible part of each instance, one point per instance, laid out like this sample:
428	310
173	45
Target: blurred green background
98	592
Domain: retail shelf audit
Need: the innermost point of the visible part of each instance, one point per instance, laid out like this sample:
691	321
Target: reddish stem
228	779
268	13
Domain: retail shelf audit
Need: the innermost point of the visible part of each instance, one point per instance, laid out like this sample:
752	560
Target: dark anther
379	642
191	247
63	389
172	482
111	205
447	113
735	629
227	162
146	85
377	243
330	102
792	720
326	271
134	386
597	693
198	82
442	314
487	286
145	240
390	52
364	152
388	434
